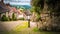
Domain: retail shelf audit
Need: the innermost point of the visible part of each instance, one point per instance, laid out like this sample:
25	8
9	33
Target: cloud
18	2
13	3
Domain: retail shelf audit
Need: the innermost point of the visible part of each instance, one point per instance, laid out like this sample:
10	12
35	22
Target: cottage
3	8
6	9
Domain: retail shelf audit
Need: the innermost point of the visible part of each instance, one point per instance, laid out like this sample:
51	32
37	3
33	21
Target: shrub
10	19
4	18
21	19
14	17
38	18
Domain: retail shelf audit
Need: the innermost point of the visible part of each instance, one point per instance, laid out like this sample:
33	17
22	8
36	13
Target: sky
18	2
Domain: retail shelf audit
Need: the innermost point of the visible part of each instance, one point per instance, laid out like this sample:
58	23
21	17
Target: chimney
2	0
8	4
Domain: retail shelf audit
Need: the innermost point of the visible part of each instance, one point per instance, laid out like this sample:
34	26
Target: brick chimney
2	1
8	4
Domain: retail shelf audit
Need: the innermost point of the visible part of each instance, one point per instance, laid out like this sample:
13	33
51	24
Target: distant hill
22	6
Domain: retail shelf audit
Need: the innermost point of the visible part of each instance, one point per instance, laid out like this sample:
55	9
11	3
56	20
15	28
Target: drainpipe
0	16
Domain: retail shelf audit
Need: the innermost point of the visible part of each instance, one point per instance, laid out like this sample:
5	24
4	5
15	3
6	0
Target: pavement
9	25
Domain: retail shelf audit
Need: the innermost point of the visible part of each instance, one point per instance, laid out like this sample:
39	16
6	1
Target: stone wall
50	22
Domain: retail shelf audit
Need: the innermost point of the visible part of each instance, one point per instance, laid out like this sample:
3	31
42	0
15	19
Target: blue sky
18	2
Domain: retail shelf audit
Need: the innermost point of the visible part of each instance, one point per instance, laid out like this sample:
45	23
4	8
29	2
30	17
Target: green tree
50	5
53	5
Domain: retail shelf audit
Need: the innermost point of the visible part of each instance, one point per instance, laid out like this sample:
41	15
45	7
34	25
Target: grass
35	29
13	32
21	27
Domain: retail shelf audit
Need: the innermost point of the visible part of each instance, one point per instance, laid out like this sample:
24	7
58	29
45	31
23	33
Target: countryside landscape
29	16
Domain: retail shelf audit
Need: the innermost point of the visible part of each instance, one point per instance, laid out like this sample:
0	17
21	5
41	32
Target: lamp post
28	17
28	14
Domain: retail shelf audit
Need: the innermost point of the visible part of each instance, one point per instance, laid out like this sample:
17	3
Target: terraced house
3	8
